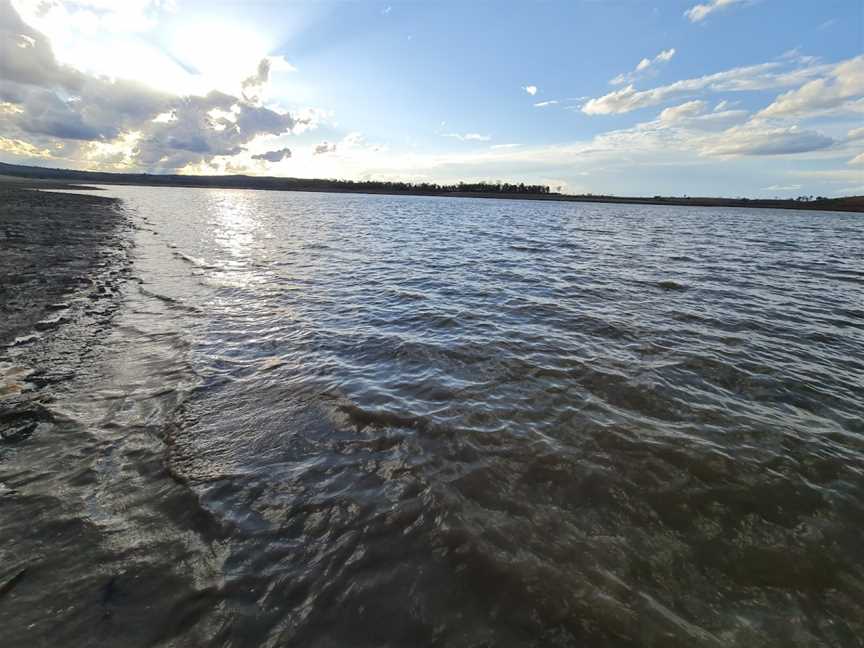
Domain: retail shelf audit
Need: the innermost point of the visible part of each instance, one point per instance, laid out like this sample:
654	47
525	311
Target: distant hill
475	190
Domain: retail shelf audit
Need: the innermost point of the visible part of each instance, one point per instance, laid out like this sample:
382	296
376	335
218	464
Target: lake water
348	420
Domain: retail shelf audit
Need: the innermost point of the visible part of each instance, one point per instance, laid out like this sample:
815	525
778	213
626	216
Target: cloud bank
763	76
56	106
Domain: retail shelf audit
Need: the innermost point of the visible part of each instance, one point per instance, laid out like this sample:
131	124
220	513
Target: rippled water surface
414	421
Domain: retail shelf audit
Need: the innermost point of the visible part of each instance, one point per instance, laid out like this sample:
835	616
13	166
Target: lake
336	419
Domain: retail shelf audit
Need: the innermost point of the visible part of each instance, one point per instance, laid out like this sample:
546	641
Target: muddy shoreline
53	244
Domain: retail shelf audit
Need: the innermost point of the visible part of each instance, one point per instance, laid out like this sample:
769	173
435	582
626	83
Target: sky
756	98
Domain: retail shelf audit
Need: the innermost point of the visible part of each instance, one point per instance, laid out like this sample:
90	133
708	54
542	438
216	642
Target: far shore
41	178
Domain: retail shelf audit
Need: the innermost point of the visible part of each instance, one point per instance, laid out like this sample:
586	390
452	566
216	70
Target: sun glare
219	55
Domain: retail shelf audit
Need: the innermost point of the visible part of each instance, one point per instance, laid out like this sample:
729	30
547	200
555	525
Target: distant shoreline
44	178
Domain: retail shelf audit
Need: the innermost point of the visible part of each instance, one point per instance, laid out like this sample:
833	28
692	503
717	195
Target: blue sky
721	97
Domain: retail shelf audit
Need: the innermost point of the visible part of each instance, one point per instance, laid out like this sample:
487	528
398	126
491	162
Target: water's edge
97	540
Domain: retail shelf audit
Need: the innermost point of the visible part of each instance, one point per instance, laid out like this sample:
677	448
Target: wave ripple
425	421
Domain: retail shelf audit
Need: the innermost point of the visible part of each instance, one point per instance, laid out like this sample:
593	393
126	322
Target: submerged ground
235	418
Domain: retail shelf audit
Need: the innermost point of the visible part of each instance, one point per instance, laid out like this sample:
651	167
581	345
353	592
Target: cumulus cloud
252	86
25	55
199	129
643	66
694	115
53	104
59	101
684	111
763	76
624	100
273	156
700	12
844	83
323	148
757	139
692	127
716	121
22	148
530	89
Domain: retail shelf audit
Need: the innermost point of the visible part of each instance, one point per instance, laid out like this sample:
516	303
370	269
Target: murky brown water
336	420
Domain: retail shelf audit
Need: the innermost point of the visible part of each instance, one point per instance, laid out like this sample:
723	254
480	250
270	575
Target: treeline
468	189
432	187
270	182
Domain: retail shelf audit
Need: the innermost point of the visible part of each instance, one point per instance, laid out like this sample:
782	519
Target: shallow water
329	420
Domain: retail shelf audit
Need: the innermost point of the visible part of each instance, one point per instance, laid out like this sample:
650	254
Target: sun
218	55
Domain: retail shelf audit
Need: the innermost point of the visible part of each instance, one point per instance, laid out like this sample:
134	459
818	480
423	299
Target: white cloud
858	159
352	140
280	64
61	107
70	114
755	138
844	83
137	39
693	120
97	15
469	137
763	76
692	127
252	87
684	111
717	121
855	134
795	54
645	64
530	89
323	148
700	12
794	187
